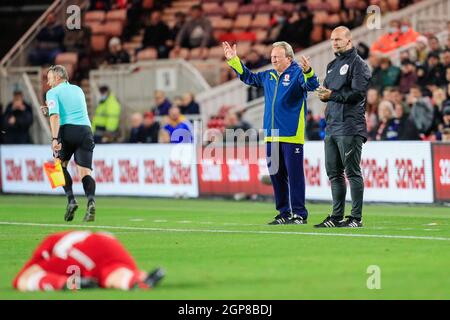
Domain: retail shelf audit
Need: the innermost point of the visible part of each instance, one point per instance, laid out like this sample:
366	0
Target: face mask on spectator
392	30
103	97
404	29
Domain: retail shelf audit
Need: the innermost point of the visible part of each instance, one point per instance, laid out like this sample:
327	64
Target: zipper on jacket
273	106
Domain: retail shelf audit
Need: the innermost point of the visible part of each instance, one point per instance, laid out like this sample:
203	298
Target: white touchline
355	235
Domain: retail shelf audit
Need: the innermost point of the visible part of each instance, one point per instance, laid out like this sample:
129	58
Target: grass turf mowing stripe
225	231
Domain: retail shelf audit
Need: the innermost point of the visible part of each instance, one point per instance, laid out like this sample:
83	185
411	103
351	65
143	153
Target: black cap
433	55
104	88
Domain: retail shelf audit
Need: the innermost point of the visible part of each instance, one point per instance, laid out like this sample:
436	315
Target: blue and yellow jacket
285	99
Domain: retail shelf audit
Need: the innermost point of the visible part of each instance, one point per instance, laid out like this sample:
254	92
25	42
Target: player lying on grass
98	259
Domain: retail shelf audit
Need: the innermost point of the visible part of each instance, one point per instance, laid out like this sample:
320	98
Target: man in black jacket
344	90
17	120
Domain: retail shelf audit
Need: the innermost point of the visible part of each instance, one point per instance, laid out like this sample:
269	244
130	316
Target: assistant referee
71	135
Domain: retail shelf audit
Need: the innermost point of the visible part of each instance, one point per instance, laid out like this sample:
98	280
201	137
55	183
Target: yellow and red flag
54	173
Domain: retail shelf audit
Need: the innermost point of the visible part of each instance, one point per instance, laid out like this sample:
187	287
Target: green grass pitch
218	249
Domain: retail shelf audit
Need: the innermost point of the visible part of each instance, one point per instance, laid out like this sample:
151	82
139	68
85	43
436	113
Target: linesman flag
54	173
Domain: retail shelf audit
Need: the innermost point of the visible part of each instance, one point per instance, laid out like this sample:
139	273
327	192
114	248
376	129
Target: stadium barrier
403	172
128	169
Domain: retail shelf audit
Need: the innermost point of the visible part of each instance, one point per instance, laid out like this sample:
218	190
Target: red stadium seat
242	21
98	16
262	21
117	15
67	58
98	42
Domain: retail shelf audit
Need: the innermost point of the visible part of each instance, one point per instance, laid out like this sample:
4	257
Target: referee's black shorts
79	141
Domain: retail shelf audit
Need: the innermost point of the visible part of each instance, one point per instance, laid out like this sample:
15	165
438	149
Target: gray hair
59	71
286	46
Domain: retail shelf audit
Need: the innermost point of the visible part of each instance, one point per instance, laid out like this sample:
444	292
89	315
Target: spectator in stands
197	32
388	41
406	34
374	64
116	54
105	124
189	105
444	129
177	101
157	35
390	74
434	70
408	76
421	49
255	61
405	56
385	129
162	104
372	102
405	126
312	127
446	59
177	129
134	18
237	128
435	46
49	43
422	111
180	20
150	129
136	128
279	27
17	120
300	30
398	98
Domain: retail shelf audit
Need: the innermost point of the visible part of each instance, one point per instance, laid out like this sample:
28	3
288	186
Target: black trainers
280	219
329	222
295	219
154	277
90	212
351	222
72	206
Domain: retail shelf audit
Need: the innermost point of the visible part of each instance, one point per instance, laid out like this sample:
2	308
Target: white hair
59	71
286	46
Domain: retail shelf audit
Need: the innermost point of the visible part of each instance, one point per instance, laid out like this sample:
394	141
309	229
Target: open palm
230	52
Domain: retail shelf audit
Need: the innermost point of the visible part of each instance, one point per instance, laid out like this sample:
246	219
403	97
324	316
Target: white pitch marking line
354	235
159	220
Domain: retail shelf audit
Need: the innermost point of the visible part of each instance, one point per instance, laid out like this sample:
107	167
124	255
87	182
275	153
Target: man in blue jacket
285	91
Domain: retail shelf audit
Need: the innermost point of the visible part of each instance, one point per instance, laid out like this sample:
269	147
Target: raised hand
305	63
229	52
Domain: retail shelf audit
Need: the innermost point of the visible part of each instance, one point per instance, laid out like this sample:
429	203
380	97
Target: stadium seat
247	9
117	15
147	54
231	7
260	1
242	21
97	16
262	20
98	42
261	35
113	28
222	24
265	8
216	53
67	57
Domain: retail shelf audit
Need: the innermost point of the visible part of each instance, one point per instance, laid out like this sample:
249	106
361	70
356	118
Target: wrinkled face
279	60
339	42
